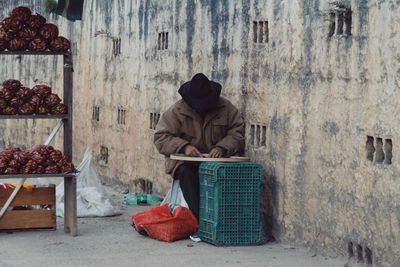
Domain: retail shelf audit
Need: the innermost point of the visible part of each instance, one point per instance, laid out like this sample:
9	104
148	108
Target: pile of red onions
23	30
16	99
40	159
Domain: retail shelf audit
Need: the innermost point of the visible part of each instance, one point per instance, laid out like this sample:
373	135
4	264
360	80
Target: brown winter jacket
180	125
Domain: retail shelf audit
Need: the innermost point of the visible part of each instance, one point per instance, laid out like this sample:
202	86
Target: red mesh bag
52	100
36	21
6	35
56	155
35	101
16	102
3	163
60	44
8	94
38	44
51	170
67	167
10	111
21	13
24	93
11	171
43	110
27	34
49	31
22	157
14	164
17	44
12	25
26	109
42	90
3	103
59	109
12	84
3	44
158	223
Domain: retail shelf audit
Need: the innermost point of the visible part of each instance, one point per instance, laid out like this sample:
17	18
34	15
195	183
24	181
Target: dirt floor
112	242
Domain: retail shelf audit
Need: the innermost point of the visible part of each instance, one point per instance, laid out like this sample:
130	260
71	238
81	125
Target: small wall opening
157	119
266	31
264	136
368	256
143	186
379	155
350	249
388	151
340	20
154	119
360	257
252	135
96	113
74	48
260	32
332	24
258	135
121	116
347	22
148	187
370	148
339	23
104	154
116	46
255	32
162	41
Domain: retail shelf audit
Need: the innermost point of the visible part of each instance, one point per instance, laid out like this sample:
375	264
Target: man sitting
201	122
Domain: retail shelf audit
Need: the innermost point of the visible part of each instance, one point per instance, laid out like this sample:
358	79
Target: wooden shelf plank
20	176
35	196
49	53
28	219
26	117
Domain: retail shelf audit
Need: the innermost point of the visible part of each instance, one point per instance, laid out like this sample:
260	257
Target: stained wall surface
321	106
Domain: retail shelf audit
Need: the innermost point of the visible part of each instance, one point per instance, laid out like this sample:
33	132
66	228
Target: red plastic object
158	223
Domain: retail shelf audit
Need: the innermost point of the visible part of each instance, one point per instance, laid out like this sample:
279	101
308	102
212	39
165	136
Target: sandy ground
113	242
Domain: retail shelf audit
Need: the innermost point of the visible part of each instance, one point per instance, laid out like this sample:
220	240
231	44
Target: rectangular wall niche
74	48
260	32
379	150
104	154
121	116
116	46
340	20
258	135
361	254
154	119
163	41
96	113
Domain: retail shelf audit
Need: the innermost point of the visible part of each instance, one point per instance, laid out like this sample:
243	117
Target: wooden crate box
21	218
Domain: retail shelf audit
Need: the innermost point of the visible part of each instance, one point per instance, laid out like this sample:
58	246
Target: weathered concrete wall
317	97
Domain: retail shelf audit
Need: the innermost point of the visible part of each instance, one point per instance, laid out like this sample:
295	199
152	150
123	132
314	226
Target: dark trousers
188	176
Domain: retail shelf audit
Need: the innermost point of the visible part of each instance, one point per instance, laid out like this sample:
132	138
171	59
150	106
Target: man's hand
216	152
191	151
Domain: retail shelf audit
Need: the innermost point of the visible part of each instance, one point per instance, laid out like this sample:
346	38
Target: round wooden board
207	159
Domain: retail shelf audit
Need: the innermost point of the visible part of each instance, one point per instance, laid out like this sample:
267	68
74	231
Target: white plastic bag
92	198
175	197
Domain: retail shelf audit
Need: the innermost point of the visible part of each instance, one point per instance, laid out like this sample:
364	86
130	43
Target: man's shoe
195	237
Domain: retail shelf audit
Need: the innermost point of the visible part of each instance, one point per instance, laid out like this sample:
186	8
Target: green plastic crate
230	203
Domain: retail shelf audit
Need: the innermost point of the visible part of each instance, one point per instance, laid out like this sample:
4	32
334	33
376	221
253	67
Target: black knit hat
200	93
